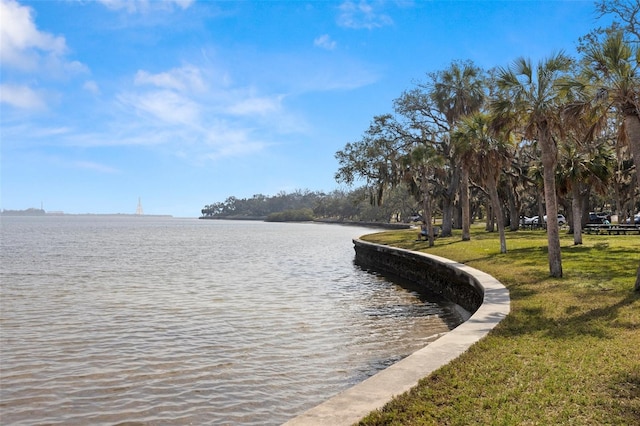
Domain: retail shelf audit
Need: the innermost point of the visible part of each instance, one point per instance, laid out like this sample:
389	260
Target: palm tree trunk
464	204
632	122
497	209
490	221
426	206
549	158
540	202
447	216
576	220
447	202
514	210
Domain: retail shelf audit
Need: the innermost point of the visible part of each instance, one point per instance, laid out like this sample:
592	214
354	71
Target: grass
567	354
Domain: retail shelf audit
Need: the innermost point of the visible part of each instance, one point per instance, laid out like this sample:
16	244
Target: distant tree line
298	215
353	205
28	212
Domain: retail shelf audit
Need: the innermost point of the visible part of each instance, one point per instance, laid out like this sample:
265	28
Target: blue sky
184	103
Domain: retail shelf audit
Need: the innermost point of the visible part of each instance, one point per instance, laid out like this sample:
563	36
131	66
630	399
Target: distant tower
139	210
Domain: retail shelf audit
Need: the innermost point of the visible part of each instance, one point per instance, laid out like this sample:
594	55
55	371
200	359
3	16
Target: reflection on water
177	321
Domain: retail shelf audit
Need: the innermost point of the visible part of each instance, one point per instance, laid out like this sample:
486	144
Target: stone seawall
474	290
437	274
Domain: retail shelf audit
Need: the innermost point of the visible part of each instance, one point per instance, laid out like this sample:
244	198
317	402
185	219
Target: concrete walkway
351	405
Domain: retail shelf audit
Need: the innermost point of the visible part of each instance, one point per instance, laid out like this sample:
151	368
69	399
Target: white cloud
72	67
90	165
325	42
49	132
130	6
256	105
22	45
28	131
233	149
178	110
143	6
171	97
91	87
225	136
22	97
183	3
362	15
186	78
183	95
340	73
29	55
165	106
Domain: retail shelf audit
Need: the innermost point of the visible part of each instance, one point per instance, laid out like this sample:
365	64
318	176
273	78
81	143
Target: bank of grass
567	354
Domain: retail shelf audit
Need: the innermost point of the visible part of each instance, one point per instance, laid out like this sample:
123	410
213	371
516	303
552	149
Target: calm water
181	321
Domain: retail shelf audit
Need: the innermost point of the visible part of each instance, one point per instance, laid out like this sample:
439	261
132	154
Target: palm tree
485	154
456	92
612	70
520	185
586	160
583	168
420	165
533	99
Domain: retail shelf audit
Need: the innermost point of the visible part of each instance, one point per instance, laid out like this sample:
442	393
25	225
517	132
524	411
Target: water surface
179	321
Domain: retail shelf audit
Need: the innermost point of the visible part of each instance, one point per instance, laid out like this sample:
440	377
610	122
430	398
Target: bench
422	236
601	229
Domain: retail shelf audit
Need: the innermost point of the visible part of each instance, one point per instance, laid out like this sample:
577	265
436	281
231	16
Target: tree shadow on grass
625	390
594	322
602	266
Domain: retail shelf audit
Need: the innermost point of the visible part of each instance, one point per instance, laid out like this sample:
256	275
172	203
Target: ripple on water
168	322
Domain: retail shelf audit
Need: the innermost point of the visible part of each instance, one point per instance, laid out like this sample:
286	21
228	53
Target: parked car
600	217
561	220
528	220
635	220
414	218
594	218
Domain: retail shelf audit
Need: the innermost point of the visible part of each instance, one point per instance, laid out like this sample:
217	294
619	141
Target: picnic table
533	226
604	228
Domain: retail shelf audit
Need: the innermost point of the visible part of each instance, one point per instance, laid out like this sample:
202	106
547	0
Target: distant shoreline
385	225
40	212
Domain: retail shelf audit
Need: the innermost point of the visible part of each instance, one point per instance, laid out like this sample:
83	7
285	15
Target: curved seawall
477	292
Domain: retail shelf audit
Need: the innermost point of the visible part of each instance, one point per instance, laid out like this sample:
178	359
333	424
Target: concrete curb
352	404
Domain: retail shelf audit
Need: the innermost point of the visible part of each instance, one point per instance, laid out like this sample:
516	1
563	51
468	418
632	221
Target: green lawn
568	354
